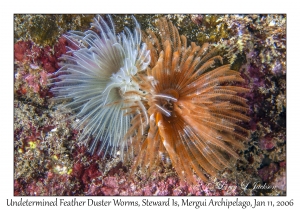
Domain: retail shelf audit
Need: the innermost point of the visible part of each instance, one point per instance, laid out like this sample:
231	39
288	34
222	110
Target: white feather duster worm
97	75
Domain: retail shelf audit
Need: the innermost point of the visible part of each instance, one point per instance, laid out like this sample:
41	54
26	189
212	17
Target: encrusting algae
194	109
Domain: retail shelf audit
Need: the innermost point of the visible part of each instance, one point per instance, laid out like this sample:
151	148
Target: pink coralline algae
43	78
32	83
267	173
280	180
49	161
266	143
46	57
21	49
52	184
261	46
34	65
88	178
275	175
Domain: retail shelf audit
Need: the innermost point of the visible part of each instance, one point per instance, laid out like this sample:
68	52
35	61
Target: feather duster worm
96	75
194	108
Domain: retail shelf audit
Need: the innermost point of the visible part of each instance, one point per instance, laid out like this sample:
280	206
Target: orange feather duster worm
194	107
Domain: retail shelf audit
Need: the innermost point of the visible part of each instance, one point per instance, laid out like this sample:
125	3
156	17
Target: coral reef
44	30
211	28
261	46
48	160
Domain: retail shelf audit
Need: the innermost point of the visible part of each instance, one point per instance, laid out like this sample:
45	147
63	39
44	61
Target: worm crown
96	75
154	96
